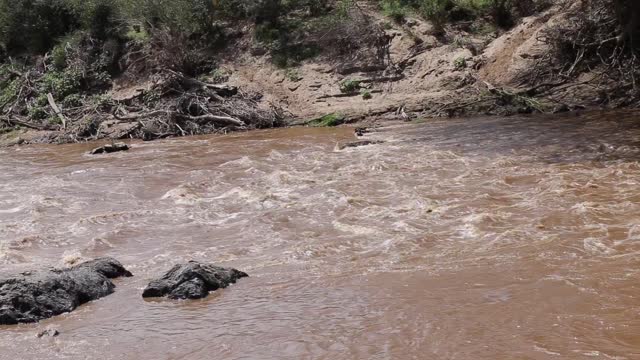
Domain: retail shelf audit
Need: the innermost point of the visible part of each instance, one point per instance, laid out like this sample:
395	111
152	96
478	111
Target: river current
512	238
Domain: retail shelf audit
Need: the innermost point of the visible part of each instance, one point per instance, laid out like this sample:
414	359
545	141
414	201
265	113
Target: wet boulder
34	296
192	280
110	148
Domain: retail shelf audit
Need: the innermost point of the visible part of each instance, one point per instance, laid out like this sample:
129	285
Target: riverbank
406	68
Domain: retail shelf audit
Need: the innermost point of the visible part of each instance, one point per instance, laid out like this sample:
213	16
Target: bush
349	86
60	84
37	113
440	12
71	101
34	25
395	9
460	63
8	92
437	11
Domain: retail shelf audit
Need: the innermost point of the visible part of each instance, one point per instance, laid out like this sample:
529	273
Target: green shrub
34	25
8	92
349	86
292	75
440	12
437	12
42	100
37	113
102	101
72	101
59	57
344	6
54	120
366	95
395	9
460	63
216	76
149	98
137	34
61	83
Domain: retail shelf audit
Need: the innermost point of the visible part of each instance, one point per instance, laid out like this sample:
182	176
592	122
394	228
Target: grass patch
329	120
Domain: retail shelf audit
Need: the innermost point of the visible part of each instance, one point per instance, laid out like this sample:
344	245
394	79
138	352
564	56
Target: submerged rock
361	131
353	144
562	108
48	333
110	148
34	296
192	280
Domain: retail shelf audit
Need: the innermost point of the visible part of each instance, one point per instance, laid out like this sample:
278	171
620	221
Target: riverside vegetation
74	70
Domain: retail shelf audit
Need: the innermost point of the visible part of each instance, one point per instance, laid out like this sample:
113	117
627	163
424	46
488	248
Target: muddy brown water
509	238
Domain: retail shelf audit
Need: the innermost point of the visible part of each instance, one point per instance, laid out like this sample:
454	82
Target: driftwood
349	94
177	105
221	120
13	122
380	79
56	109
188	82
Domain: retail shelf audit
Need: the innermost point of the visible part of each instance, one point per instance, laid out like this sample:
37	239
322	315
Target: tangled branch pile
65	91
187	106
600	37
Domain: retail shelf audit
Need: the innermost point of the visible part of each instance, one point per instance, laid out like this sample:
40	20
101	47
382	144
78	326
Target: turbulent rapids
487	239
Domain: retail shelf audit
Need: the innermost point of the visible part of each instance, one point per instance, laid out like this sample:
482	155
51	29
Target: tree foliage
34	26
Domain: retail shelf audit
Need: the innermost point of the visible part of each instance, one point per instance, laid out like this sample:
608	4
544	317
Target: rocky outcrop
192	280
31	297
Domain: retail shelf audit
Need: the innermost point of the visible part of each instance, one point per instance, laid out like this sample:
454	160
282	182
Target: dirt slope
425	74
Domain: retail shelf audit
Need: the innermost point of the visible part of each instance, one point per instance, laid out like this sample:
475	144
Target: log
349	94
14	122
226	120
381	79
136	117
57	110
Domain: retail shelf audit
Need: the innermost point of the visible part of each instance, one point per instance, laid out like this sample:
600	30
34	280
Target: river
513	238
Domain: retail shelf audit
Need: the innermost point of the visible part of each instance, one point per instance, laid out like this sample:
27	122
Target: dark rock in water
34	296
48	333
562	108
110	148
360	131
192	281
353	144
